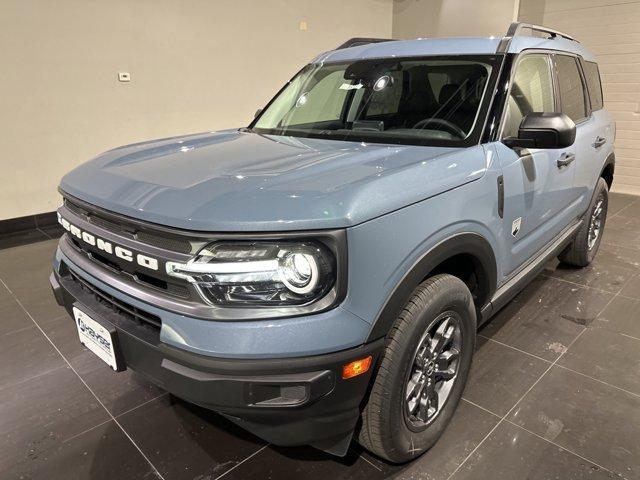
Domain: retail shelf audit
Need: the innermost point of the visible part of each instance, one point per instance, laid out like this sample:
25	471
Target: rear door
538	193
574	102
599	133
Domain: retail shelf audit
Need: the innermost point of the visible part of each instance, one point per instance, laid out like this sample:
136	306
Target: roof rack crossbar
516	28
358	41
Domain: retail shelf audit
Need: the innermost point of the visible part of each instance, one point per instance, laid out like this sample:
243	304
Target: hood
234	181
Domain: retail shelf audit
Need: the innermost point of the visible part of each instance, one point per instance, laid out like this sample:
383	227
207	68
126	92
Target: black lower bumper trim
292	401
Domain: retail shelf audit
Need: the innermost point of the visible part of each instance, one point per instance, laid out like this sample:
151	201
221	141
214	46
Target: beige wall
444	18
611	31
208	64
195	65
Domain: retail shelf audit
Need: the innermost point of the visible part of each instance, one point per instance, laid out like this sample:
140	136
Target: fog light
357	367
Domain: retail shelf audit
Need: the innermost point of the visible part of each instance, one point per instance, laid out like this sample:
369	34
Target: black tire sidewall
457	298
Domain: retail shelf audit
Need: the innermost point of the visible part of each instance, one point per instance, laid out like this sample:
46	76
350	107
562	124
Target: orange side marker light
357	367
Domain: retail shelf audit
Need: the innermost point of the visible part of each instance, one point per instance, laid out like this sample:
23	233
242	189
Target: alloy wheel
433	371
595	227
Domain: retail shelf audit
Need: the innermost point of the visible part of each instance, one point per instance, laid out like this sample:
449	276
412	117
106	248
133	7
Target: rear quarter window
572	94
593	85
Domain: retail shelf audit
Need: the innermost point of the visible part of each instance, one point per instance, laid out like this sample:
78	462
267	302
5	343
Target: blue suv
319	275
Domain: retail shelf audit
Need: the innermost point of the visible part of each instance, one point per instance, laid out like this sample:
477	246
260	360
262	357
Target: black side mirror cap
544	130
258	112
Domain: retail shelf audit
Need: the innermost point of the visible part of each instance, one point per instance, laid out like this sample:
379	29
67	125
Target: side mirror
544	130
258	112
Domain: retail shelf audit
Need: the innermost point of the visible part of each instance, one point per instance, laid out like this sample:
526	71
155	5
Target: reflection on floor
554	391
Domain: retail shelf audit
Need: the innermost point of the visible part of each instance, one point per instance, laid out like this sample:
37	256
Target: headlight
260	274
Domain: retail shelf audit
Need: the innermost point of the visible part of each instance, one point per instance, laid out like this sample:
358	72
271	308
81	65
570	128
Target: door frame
556	85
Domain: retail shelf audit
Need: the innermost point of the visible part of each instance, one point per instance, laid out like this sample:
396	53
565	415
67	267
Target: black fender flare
609	162
467	243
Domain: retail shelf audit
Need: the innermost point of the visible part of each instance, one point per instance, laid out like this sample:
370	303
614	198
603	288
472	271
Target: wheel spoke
443	335
598	210
432	395
595	225
423	411
447	374
415	387
412	405
423	354
445	358
443	369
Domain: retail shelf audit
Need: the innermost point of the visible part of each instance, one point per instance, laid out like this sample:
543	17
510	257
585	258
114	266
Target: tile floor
554	392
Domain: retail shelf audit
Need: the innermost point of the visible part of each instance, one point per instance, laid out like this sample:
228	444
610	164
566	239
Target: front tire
585	245
423	371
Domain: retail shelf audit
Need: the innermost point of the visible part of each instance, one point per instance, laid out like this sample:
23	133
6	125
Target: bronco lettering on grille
108	247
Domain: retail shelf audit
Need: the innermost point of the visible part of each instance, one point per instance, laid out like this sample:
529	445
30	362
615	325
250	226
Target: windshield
419	101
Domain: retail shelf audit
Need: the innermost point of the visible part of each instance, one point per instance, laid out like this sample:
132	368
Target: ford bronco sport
320	275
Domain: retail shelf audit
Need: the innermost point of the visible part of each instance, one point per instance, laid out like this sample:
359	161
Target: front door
539	198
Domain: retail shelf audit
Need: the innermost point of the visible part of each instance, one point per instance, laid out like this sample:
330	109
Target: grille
75	208
175	289
131	230
118	306
168	243
111	226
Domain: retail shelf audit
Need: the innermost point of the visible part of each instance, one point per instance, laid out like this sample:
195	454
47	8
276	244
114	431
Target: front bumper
292	401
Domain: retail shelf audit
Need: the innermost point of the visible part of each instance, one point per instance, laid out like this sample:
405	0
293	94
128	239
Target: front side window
428	101
572	94
593	84
531	91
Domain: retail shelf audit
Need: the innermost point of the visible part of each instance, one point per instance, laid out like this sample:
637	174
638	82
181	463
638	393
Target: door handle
599	142
566	159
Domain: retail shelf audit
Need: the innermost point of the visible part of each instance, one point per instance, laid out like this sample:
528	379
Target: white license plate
95	337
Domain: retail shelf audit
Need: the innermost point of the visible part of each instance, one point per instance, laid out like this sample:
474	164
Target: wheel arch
459	255
608	169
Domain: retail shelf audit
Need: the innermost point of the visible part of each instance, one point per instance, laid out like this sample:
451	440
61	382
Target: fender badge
515	226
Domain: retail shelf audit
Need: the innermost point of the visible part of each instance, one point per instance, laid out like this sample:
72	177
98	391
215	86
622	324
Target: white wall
444	18
195	65
611	30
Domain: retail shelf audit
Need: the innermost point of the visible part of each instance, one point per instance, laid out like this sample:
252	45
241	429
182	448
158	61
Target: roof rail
356	42
516	28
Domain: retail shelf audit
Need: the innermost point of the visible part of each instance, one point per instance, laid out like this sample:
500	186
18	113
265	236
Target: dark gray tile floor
554	392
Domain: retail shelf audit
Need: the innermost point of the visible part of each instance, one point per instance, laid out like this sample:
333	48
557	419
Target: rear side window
593	84
572	94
